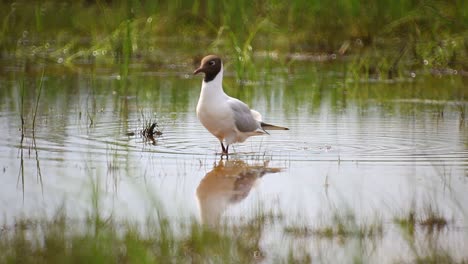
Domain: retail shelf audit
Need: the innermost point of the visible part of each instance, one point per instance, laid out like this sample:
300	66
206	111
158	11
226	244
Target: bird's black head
210	65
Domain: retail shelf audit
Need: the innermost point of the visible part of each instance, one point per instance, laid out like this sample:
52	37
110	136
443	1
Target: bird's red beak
198	70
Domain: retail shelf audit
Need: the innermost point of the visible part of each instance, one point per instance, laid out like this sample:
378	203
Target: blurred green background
381	39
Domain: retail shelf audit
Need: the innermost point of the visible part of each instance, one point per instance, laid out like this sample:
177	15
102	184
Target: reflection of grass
341	226
23	127
407	223
21	175
462	110
424	245
431	219
39	91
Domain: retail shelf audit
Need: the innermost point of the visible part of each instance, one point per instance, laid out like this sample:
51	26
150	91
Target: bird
229	119
228	183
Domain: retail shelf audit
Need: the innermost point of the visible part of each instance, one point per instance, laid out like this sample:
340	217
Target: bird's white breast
213	111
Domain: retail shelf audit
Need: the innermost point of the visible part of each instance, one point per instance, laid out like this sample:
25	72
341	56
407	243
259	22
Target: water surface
376	148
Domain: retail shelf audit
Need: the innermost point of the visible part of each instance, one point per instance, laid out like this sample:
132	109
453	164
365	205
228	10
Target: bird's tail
266	126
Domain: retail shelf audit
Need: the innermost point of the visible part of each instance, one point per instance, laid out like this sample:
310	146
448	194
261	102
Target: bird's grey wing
243	118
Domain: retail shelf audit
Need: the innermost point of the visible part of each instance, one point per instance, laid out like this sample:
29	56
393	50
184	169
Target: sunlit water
377	149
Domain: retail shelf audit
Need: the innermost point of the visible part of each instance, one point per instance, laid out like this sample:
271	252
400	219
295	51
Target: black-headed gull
227	118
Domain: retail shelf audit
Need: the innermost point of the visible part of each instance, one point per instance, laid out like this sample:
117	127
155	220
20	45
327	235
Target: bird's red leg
224	149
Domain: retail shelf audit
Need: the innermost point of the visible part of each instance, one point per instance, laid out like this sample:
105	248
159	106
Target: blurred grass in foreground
96	239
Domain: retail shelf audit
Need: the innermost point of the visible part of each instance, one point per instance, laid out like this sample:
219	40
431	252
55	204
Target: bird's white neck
213	88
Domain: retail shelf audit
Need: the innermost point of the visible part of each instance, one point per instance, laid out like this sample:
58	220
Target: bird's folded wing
243	118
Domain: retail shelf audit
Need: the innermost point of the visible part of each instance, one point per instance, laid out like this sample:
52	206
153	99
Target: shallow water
376	148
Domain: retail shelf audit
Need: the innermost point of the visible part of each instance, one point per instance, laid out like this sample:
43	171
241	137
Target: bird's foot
224	154
225	151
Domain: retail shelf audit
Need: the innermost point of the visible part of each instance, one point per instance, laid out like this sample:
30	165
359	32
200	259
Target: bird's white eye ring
212	62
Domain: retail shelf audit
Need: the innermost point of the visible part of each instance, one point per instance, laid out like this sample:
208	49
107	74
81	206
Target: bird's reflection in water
228	183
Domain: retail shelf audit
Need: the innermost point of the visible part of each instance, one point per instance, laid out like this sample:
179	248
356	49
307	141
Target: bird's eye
212	63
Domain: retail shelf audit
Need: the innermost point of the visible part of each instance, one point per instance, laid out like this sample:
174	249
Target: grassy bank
382	39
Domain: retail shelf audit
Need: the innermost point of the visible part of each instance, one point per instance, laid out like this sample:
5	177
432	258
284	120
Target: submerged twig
150	132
